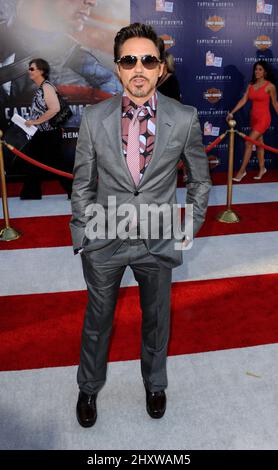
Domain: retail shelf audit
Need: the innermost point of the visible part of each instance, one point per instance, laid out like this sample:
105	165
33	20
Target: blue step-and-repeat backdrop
215	44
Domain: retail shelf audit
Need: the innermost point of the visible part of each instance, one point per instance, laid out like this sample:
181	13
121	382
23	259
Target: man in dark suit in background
128	148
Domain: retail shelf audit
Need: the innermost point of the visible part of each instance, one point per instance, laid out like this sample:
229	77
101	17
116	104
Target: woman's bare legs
255	135
260	155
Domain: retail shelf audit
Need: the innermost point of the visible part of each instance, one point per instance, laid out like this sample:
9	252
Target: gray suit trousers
103	282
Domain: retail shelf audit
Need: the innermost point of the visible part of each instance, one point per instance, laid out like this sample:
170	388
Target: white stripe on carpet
42	270
242	194
218	400
58	204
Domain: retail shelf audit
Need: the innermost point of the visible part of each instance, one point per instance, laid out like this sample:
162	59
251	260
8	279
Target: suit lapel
164	128
113	127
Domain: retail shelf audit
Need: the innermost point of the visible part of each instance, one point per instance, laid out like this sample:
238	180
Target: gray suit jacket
100	171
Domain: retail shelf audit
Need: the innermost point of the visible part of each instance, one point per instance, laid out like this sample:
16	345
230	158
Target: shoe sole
85	425
155	416
258	178
26	198
238	180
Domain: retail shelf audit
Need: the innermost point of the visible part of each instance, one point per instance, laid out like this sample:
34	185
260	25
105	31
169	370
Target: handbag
63	115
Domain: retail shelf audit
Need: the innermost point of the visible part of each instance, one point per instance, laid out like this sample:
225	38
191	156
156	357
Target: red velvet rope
69	175
258	144
215	142
36	163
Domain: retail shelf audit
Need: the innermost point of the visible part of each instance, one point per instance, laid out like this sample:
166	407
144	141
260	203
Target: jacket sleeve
198	181
84	183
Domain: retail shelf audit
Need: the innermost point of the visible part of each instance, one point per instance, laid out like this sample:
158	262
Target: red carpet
48	188
43	330
43	232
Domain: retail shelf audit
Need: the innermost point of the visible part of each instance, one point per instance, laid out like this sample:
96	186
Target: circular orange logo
168	41
213	161
263	42
215	23
213	95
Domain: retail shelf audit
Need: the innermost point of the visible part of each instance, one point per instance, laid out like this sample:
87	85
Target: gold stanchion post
228	215
7	233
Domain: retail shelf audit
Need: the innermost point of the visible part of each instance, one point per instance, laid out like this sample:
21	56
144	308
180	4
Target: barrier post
7	233
228	215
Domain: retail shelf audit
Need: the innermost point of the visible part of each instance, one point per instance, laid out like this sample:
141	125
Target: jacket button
136	193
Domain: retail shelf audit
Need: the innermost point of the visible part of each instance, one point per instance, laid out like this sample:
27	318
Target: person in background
168	83
260	91
45	145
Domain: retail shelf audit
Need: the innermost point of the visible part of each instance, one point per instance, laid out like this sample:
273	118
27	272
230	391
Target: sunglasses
31	69
148	61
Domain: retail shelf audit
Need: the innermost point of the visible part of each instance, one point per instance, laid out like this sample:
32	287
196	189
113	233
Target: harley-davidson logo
213	161
213	95
168	41
263	42
215	23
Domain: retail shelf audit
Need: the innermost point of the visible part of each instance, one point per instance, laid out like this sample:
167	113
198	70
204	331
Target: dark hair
269	75
170	62
161	48
42	65
136	30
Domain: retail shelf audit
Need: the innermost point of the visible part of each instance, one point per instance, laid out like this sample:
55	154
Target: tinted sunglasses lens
149	61
128	62
31	69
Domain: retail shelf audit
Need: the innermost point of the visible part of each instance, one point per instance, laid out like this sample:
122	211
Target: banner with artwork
215	44
76	38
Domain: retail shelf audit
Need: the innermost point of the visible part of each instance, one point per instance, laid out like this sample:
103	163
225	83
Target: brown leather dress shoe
156	403
86	410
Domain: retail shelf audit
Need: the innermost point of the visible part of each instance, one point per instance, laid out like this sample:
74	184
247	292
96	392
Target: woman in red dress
260	90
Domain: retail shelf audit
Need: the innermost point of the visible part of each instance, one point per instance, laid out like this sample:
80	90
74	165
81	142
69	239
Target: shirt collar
150	104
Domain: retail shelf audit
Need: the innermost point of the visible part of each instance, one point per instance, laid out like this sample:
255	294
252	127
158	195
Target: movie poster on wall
76	37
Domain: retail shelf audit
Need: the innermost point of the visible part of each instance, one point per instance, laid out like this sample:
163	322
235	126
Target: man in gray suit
128	150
